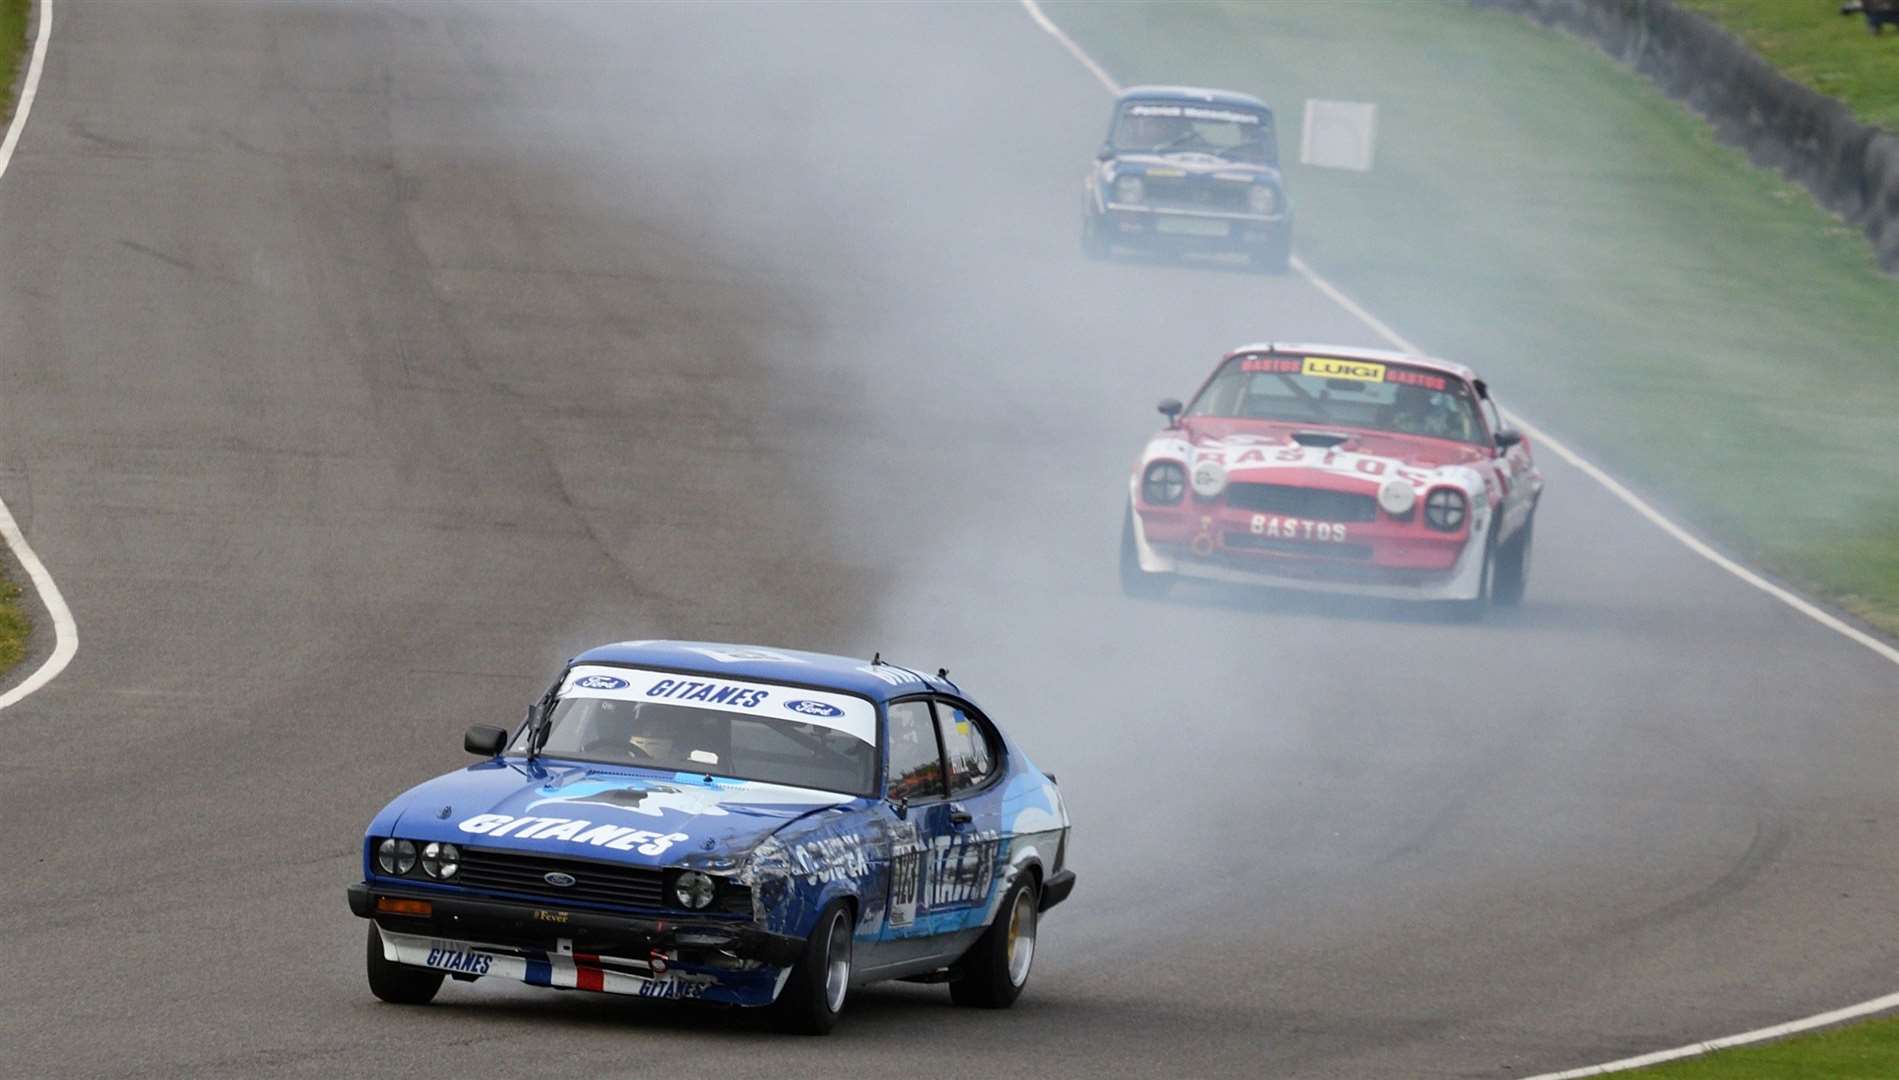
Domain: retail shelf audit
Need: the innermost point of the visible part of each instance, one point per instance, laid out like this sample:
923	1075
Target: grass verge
1861	1052
13	15
1695	325
1810	42
14	624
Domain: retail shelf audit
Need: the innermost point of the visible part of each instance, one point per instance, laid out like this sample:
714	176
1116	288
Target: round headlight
1164	483
1209	479
1129	189
395	856
1262	199
441	860
1444	509
1397	497
694	890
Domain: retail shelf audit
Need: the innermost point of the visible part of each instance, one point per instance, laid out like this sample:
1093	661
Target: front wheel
1272	257
1136	582
992	974
1512	574
1473	609
814	994
399	984
1094	243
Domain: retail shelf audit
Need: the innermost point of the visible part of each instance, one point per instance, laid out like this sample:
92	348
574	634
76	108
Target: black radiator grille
1315	503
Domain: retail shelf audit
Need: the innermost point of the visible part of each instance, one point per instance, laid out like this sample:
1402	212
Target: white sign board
1339	134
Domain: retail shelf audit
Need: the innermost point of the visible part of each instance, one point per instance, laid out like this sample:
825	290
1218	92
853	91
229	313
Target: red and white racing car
1345	470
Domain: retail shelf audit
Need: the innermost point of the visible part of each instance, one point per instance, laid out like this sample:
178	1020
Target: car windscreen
1334	391
703	725
1161	127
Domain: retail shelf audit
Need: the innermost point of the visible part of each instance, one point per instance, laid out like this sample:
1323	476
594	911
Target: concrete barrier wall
1851	167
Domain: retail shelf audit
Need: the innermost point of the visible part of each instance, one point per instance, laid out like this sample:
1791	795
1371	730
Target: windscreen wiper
540	716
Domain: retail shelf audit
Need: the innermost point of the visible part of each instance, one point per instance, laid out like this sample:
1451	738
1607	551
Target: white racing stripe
1653	516
65	630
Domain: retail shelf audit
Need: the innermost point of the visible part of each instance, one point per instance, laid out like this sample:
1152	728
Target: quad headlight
1209	479
1163	483
1445	509
1129	189
1262	199
441	861
395	856
694	891
1397	498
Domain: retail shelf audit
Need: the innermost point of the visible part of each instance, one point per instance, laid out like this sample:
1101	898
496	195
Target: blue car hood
588	811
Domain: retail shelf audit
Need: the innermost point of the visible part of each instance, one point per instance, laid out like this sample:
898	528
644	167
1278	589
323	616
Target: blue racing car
728	824
1185	170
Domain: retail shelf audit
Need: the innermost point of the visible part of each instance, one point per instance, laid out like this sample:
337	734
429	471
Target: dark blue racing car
1189	170
727	824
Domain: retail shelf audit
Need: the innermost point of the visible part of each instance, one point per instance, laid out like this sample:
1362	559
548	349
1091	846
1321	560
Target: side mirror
1170	408
1508	437
484	740
900	806
1106	153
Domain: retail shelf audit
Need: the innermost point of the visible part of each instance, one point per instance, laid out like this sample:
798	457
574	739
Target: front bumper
730	962
1377	561
1184	228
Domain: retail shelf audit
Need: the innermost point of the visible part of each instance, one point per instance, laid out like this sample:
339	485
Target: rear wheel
1512	573
396	983
1136	582
992	974
814	993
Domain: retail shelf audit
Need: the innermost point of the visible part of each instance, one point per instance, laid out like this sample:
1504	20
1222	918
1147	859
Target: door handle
960	815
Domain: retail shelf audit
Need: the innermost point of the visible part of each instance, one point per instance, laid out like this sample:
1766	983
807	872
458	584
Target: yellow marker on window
1331	367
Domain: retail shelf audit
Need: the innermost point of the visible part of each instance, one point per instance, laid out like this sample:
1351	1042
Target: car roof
1191	93
1352	352
762	663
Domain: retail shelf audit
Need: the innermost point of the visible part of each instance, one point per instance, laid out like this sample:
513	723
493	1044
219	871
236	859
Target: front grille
600	882
595	882
1196	193
1315	503
1321	548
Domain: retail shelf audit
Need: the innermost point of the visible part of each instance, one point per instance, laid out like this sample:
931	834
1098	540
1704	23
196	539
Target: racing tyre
1272	257
814	993
399	984
1136	582
1093	243
993	972
1512	572
1472	610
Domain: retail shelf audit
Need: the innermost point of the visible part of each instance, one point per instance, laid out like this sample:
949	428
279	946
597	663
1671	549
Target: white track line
65	630
1656	518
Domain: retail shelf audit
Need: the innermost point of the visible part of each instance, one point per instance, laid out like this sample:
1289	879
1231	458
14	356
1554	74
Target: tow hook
1203	545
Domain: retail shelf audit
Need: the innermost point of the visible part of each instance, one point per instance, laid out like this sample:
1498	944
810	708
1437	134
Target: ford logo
558	879
600	682
813	708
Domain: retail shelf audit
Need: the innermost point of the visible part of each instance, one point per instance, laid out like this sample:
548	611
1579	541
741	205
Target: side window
971	759
1492	417
916	765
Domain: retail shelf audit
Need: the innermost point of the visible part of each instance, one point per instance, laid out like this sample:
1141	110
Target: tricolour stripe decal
587	972
540	970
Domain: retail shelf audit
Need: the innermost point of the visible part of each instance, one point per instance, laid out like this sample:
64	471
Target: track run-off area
365	362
